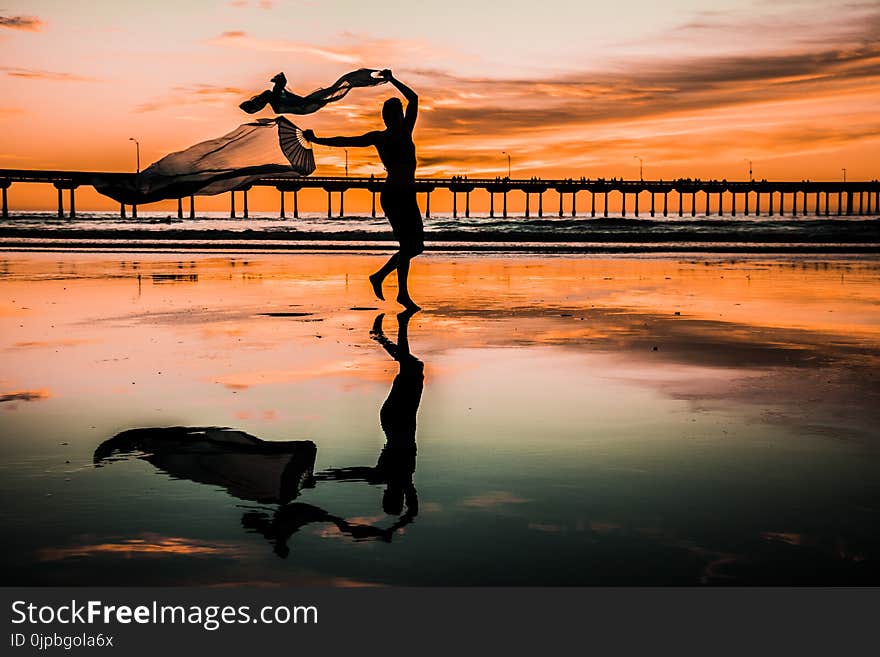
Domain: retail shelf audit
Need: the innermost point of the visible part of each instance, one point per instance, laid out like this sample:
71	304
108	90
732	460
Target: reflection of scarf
287	102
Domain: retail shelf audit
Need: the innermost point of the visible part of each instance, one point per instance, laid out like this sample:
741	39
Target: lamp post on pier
641	167
137	146
508	162
750	168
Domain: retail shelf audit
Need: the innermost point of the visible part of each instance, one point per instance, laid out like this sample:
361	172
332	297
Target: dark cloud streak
24	23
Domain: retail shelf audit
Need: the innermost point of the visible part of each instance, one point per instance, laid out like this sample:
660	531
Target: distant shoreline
523	235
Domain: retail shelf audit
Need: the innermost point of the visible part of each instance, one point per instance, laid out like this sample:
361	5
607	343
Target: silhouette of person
398	197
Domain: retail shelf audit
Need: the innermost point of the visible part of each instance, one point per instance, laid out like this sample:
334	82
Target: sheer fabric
251	151
286	102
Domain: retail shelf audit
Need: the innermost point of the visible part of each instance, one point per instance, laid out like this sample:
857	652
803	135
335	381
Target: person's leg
379	277
403	297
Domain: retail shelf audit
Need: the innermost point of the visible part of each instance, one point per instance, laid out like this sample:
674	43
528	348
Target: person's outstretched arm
412	99
366	139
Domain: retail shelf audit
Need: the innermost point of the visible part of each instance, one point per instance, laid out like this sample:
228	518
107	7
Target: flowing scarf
284	101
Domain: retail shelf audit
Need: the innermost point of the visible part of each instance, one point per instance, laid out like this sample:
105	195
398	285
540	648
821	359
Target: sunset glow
570	89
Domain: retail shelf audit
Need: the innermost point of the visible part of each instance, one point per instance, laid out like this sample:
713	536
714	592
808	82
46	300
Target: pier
737	198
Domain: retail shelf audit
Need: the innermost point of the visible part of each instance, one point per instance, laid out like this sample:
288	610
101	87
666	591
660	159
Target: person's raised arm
366	139
412	99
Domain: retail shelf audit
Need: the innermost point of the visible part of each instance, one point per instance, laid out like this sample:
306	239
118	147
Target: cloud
492	499
204	94
240	39
853	21
811	99
40	74
24	395
258	4
147	545
48	344
350	48
24	23
649	90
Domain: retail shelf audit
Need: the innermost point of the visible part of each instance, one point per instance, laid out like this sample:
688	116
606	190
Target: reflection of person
269	472
398	198
394	468
397	461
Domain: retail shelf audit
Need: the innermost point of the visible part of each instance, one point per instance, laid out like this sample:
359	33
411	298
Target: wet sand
584	420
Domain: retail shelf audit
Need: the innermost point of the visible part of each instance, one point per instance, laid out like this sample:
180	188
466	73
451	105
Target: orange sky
569	89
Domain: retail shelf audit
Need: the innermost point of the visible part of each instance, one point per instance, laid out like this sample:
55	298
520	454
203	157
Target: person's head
392	499
392	113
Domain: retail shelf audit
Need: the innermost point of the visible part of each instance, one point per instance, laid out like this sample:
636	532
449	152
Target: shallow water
477	226
629	420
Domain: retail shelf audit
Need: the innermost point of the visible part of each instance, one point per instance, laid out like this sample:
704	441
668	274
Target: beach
634	419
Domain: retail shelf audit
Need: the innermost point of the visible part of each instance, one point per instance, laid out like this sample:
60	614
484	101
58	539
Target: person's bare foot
376	282
279	79
408	303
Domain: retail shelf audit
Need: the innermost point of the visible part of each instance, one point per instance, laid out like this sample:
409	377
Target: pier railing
758	196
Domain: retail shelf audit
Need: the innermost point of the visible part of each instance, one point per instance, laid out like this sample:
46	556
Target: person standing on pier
398	198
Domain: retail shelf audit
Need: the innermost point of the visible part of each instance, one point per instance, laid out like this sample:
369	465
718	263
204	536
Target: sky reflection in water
583	421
